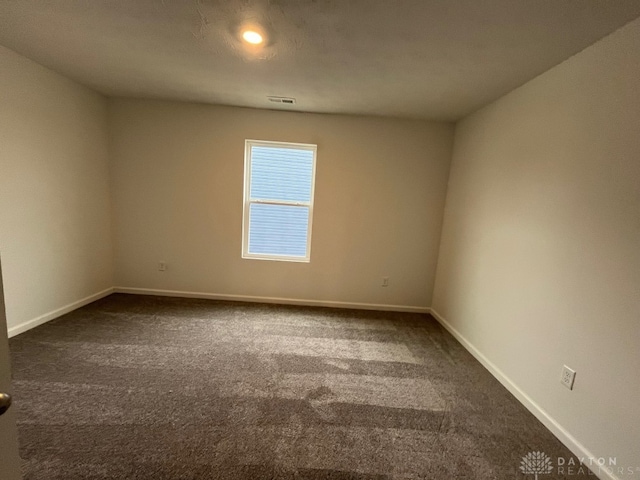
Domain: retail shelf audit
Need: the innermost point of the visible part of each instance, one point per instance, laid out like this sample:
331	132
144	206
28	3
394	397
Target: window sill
275	258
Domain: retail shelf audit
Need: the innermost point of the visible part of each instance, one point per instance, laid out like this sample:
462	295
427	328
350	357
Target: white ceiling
437	59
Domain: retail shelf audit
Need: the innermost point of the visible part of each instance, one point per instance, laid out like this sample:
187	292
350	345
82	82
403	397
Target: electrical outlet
162	266
385	281
568	377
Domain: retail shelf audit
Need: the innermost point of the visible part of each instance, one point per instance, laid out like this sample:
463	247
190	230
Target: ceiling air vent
283	100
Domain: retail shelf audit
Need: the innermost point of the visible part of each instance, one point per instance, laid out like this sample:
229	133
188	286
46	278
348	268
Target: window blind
280	195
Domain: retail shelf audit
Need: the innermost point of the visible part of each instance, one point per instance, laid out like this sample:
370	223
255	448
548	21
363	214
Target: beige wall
55	228
177	174
540	258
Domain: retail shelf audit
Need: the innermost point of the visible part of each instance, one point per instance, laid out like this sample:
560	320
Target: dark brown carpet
136	387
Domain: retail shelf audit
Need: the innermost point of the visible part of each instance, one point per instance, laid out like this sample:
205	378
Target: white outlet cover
568	377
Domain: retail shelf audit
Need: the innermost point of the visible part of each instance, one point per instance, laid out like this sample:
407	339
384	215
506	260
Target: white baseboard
276	300
547	420
23	327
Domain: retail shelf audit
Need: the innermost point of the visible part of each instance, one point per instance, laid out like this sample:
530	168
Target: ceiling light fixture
252	37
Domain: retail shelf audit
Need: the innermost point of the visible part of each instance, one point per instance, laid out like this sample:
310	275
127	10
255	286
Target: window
278	200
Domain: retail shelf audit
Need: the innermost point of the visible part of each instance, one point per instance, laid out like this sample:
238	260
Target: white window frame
248	144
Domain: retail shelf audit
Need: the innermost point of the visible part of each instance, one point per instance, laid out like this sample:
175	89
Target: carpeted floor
136	387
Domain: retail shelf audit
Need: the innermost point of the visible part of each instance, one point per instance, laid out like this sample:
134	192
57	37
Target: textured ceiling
437	59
